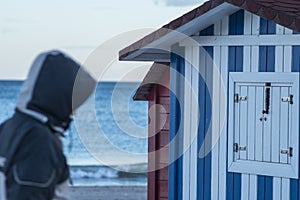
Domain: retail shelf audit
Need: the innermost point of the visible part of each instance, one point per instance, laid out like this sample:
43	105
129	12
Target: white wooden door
264	124
263	112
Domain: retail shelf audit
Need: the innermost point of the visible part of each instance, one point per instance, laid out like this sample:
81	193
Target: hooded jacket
31	156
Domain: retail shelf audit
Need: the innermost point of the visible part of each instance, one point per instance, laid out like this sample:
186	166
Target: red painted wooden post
158	180
152	148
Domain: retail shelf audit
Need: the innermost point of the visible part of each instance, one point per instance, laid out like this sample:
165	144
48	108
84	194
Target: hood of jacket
55	87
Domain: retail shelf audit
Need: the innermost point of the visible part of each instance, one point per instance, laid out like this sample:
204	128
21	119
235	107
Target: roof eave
159	49
154	77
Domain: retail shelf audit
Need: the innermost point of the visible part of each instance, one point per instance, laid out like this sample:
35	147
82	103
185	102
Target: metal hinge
288	151
237	148
289	99
238	98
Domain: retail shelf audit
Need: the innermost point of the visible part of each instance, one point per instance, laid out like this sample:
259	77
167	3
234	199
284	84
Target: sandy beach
109	193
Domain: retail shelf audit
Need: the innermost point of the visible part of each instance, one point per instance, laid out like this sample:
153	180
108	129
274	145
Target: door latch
288	99
267	99
238	98
237	148
288	151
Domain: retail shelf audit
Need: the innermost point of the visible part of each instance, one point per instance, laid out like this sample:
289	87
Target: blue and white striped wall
193	177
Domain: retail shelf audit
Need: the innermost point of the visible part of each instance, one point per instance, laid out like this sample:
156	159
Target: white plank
279	59
243	131
255	23
288	31
295	118
255	58
285	190
187	128
259	125
288	53
267	126
287	63
267	138
275	112
245	186
223	115
247	59
194	110
279	51
294	123
261	77
251	122
247	23
284	121
232	110
245	181
279	29
237	123
283	63
263	168
253	187
276	188
243	40
215	117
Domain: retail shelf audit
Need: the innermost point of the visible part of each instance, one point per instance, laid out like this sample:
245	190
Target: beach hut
234	99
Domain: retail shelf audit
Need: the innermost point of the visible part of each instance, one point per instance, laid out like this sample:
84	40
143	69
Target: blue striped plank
175	168
262	66
296	59
263	28
180	160
267	53
271	28
239	22
261	187
267	58
271	59
294	183
201	136
235	64
267	27
269	188
208	114
204	164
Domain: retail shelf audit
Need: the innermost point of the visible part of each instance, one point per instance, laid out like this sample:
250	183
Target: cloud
79	47
19	21
6	30
177	2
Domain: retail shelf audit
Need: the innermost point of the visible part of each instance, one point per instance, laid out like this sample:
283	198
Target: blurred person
32	163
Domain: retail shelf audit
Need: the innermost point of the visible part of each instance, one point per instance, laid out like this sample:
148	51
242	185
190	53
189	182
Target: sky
76	27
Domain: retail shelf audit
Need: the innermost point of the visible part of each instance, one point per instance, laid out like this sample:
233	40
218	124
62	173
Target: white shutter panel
264	124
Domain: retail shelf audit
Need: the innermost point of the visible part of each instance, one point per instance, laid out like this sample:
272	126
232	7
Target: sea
106	144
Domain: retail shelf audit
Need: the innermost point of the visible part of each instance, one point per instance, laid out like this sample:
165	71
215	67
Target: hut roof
153	47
